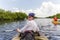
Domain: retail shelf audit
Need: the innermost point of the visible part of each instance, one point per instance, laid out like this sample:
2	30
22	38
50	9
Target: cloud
46	9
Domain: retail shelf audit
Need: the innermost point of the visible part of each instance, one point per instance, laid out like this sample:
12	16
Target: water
8	30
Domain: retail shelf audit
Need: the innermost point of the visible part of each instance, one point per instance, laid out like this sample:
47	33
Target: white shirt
31	25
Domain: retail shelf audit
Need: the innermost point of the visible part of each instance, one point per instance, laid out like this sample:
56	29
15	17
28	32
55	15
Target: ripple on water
46	23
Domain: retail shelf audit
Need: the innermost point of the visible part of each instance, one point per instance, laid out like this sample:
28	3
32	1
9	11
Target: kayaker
55	19
31	25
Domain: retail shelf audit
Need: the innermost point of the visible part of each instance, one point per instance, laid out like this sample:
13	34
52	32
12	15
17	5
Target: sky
42	8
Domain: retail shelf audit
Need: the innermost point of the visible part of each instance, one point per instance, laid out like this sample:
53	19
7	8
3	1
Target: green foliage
57	15
8	15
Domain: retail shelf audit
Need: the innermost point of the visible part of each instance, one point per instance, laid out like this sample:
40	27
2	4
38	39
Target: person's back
32	26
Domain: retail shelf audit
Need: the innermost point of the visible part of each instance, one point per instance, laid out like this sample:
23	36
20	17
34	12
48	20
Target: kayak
56	22
17	37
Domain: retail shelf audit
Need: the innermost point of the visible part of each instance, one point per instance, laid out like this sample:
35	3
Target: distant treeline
57	15
8	15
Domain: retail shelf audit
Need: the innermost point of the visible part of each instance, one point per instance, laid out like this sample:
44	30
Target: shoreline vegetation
57	15
9	15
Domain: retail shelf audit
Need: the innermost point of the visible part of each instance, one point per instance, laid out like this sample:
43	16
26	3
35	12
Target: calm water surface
8	30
